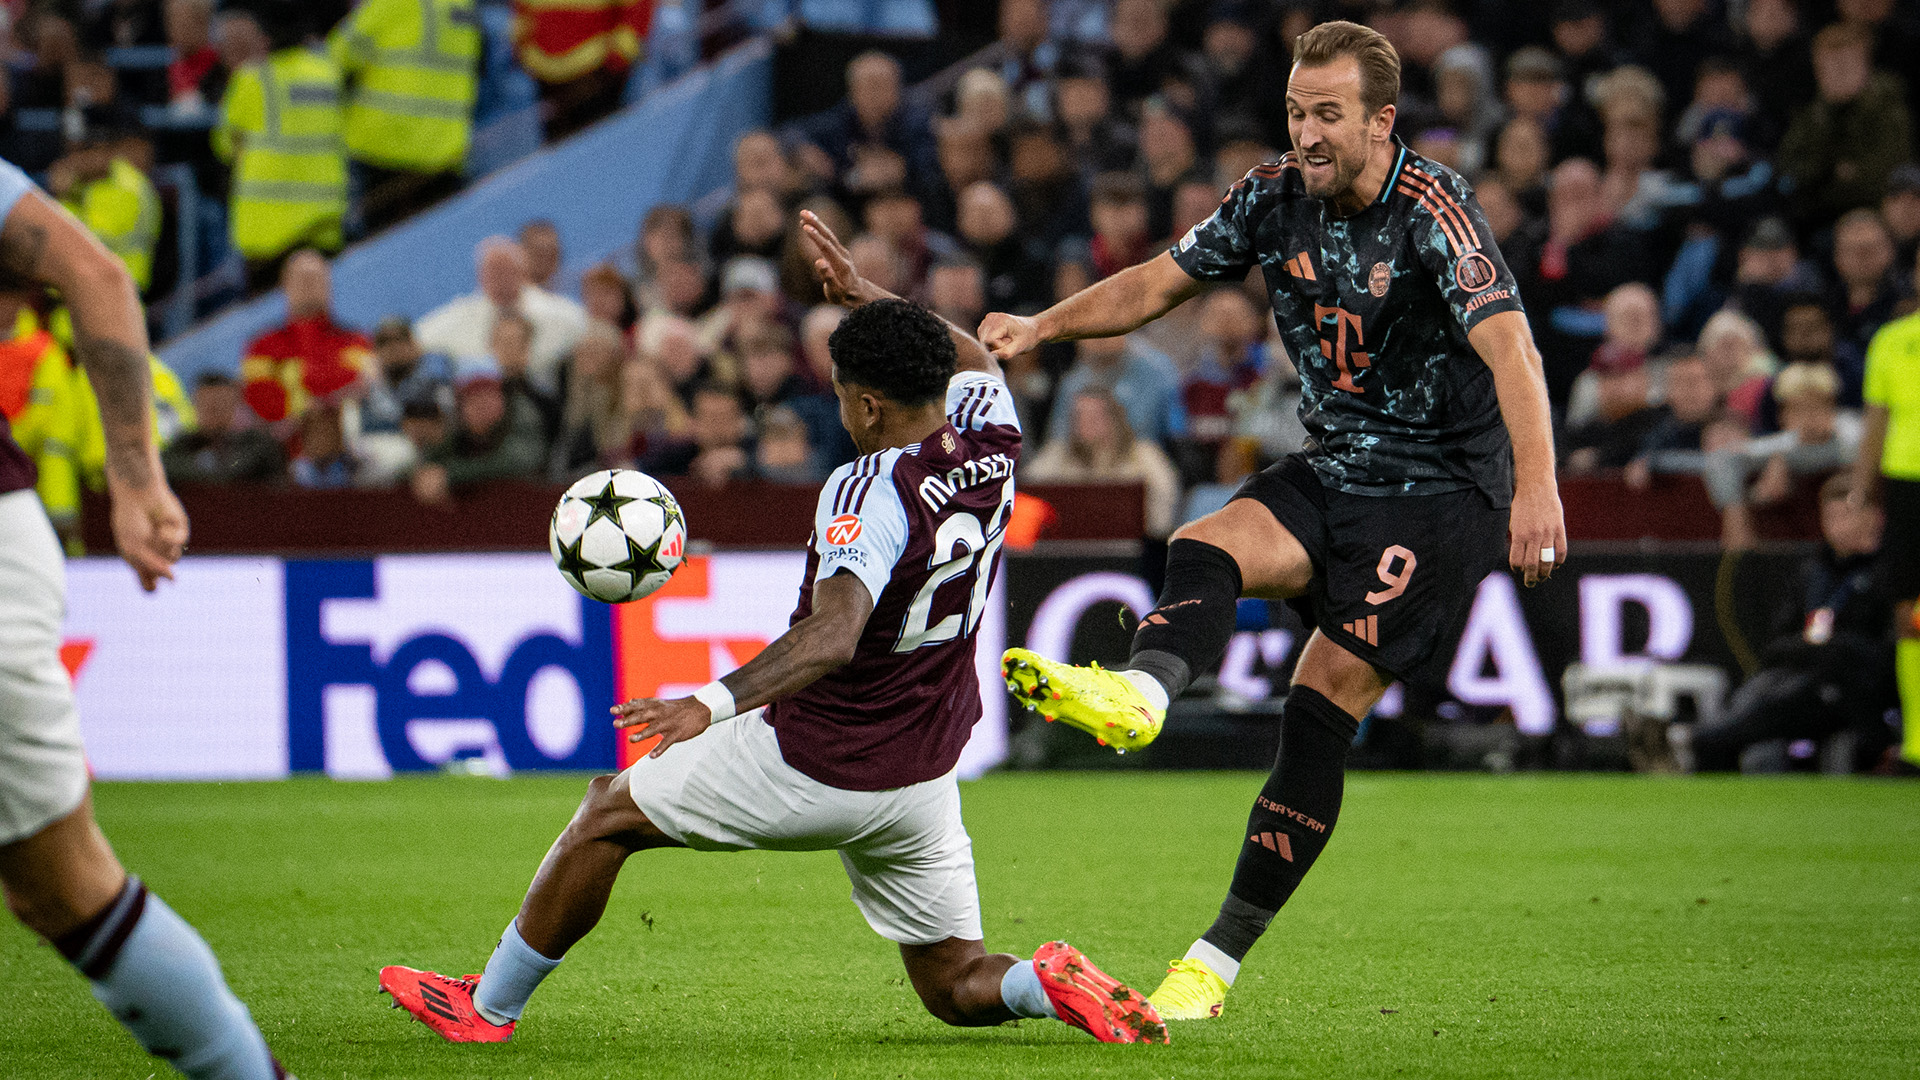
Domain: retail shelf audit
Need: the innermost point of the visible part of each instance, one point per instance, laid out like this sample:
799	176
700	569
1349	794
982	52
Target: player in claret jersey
870	695
1429	462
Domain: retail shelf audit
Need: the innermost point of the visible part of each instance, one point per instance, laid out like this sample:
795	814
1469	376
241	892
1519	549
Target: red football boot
1094	1001
443	1003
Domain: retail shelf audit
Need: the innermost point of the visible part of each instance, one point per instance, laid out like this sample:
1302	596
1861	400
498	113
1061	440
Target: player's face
859	414
1331	129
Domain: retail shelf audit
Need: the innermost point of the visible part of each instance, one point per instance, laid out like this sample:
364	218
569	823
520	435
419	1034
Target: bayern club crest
1379	279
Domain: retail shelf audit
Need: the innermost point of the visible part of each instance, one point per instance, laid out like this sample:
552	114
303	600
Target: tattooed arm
42	244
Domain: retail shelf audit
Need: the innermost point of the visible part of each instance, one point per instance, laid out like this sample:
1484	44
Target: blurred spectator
1230	359
1536	89
1268	413
719	446
767	378
1827	666
881	263
1167	156
1585	49
53	44
218	450
957	291
1142	62
461	327
967	156
412	75
1674	40
540	239
580	51
195	77
1637	191
102	180
1236	460
1900	212
494	438
1046	189
1677	441
118	23
981	101
1469	104
871	141
309	358
749	296
424	423
1768	271
1016	273
1096	445
755	224
324	461
1247	81
651	414
1632	314
759	164
819	408
607	298
671	344
509	348
593	428
1021	54
1083	115
1737	361
1120	224
1867	290
1776	58
286	193
1842	146
1807	337
399	376
1623	420
897	218
1520	160
1141	378
1815	438
1587	255
783	454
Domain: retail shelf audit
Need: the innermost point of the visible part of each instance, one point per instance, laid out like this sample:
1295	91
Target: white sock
1223	965
1149	686
513	973
1021	991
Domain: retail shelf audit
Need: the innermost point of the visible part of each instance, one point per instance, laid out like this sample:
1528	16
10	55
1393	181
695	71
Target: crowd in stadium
1711	211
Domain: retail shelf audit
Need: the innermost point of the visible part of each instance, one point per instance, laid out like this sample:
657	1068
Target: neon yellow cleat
1104	704
1191	991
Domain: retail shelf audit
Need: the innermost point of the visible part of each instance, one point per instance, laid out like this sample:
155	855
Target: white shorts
905	849
43	770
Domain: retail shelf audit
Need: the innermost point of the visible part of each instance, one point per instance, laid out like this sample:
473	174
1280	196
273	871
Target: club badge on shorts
1379	279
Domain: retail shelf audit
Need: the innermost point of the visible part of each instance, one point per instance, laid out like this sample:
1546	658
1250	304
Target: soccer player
147	966
870	694
1889	466
1412	348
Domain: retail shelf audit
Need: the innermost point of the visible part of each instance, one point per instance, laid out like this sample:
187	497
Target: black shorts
1900	544
1394	576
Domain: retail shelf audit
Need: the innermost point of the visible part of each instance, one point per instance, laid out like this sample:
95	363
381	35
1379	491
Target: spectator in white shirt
461	327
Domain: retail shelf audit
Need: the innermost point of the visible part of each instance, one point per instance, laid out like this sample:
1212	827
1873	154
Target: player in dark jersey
1430	458
871	694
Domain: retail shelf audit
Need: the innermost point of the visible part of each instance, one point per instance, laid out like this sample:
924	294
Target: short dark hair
1117	188
896	347
1379	63
213	378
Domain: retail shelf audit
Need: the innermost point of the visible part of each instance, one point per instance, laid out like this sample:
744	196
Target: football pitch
1458	926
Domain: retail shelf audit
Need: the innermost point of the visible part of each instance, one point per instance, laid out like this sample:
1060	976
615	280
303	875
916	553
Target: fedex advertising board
257	667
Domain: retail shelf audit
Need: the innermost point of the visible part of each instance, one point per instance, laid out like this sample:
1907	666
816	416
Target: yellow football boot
1104	704
1191	991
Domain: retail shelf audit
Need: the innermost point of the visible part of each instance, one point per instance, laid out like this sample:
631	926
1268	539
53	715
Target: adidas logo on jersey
1301	267
1367	629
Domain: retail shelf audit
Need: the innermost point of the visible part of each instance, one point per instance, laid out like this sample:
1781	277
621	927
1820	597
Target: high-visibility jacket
123	210
413	67
282	127
311	357
558	41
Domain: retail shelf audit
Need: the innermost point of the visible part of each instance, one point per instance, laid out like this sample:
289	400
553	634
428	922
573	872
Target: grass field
1457	927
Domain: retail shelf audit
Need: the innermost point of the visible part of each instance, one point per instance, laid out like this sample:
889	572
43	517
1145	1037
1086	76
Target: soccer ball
617	535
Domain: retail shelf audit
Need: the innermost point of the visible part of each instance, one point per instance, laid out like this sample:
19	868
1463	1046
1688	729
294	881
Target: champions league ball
617	535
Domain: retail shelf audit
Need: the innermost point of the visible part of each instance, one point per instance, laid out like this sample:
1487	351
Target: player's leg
962	984
1907	668
1251	547
1291	820
568	896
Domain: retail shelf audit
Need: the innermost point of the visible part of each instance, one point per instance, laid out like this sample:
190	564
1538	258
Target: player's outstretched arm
1113	306
1537	536
42	244
843	285
821	642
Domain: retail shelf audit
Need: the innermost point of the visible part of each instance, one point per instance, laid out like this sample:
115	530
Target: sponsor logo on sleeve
843	530
1473	272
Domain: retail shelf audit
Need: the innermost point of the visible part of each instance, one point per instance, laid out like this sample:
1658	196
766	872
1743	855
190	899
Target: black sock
1188	630
1291	818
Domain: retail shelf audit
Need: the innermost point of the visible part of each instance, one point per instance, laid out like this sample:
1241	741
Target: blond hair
1797	381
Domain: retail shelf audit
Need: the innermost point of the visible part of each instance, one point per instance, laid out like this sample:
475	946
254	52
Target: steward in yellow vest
102	183
412	68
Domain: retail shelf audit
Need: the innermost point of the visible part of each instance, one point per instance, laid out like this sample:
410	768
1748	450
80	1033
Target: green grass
1457	927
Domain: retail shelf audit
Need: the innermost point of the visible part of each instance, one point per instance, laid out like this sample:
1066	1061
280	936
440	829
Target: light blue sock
1020	989
513	974
159	979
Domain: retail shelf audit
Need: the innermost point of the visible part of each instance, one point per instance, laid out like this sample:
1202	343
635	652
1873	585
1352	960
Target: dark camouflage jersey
1375	310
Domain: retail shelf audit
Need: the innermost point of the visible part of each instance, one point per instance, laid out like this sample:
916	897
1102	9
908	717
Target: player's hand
674	721
1536	533
839	278
150	529
1007	336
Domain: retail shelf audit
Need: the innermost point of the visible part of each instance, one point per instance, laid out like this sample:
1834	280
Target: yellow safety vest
414	66
123	210
281	126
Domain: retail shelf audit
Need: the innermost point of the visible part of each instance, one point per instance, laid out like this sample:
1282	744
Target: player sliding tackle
870	697
1412	349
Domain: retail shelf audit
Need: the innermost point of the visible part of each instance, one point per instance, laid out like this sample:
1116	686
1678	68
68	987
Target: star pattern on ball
669	510
606	504
640	560
571	562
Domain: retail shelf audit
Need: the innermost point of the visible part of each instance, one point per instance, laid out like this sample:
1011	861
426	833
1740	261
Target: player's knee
608	813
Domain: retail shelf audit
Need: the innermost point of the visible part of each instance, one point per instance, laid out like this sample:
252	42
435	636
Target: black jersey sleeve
1456	247
1221	247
